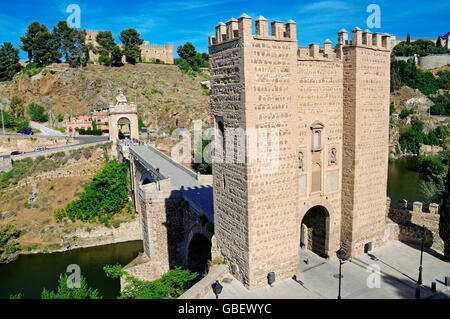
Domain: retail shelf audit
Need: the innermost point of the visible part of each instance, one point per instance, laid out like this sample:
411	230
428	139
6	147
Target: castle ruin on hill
149	52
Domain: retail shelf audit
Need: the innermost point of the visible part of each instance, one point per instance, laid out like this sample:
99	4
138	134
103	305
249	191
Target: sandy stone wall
366	136
406	225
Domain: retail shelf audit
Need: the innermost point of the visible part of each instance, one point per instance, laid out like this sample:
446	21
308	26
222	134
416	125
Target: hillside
160	91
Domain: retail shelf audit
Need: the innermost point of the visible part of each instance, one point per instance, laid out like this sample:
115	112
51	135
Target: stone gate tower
123	113
325	112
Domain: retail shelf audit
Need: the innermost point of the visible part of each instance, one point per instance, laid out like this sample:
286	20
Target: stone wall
406	225
429	61
13	143
5	164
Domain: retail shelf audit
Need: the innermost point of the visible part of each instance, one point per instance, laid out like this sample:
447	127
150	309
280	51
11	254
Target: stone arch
323	212
198	253
146	178
118	125
196	230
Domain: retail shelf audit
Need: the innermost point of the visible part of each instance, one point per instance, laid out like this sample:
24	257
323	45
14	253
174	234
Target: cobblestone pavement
391	271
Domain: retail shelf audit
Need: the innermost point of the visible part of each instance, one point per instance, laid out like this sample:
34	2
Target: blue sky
194	20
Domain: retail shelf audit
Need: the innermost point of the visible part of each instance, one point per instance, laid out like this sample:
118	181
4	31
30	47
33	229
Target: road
45	131
85	140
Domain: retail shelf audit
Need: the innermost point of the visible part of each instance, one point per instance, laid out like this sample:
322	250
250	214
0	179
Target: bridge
176	211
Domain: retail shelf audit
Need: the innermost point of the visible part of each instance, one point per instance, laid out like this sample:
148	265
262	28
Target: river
31	273
403	181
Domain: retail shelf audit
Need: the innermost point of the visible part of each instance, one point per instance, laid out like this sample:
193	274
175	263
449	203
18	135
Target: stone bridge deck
196	189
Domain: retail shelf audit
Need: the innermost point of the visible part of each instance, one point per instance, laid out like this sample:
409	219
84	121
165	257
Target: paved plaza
391	271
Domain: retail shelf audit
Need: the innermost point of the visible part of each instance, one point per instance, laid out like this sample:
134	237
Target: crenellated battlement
365	38
242	27
402	204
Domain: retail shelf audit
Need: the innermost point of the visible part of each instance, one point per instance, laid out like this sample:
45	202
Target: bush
37	113
8	246
441	105
65	292
106	196
170	286
405	113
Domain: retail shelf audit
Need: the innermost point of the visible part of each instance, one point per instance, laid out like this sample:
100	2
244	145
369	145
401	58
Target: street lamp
421	237
3	121
342	256
217	288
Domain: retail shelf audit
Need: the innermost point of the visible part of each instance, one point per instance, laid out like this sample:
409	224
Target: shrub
106	196
37	113
170	286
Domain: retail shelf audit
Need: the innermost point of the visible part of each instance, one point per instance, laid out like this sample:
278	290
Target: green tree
408	38
41	45
17	107
65	292
37	113
9	61
106	45
72	43
444	221
116	56
131	43
22	124
439	43
140	123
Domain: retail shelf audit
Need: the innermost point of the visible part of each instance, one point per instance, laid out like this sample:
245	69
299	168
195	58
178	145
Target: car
16	153
28	132
41	149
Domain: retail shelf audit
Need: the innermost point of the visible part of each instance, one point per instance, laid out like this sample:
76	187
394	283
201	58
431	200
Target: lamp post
217	288
422	236
3	121
342	256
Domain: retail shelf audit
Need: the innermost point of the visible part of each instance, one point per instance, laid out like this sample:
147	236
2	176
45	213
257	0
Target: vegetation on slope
106	196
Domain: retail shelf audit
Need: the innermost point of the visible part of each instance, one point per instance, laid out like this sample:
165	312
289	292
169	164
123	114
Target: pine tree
131	41
42	46
408	38
439	43
444	221
72	43
105	47
9	61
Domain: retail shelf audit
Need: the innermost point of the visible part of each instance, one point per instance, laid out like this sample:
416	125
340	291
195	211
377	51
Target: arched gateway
123	119
314	233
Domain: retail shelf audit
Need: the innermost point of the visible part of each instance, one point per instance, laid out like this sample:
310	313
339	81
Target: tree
37	113
131	41
408	38
444	221
187	52
439	43
106	44
41	45
17	107
64	292
116	56
9	61
72	43
22	124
